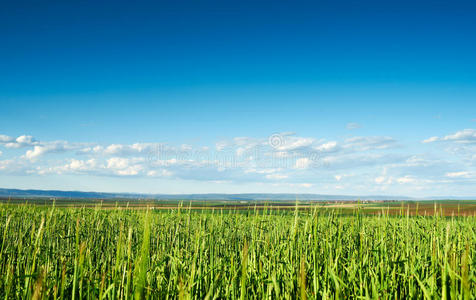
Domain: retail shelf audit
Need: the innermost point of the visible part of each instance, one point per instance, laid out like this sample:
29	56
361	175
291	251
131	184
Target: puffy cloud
125	166
73	166
290	161
431	139
124	149
91	150
130	171
25	140
461	144
19	142
293	143
281	142
82	165
465	136
50	147
117	163
114	149
115	166
38	148
302	163
36	152
295	154
327	147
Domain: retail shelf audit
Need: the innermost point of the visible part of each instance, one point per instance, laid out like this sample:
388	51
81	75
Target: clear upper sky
361	97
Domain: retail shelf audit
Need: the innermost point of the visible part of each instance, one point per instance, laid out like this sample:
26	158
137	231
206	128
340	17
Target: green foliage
85	253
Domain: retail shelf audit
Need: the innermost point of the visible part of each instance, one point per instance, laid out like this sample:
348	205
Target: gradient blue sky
353	90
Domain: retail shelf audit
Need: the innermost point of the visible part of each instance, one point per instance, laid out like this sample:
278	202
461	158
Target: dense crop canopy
125	254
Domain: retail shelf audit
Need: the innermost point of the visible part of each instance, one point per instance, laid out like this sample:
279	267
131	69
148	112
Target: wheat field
93	253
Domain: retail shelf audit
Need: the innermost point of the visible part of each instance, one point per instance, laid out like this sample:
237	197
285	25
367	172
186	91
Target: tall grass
72	253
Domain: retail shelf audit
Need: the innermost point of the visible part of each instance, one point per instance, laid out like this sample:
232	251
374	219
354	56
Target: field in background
250	250
422	208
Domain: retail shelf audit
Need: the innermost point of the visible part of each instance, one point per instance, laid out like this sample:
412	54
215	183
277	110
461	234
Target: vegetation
77	253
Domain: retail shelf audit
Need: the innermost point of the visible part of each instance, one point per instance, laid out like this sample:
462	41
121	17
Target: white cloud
13	166
114	149
125	150
276	176
73	166
39	148
352	126
50	147
117	163
91	150
302	163
295	158
4	164
19	142
159	173
361	143
82	165
262	171
37	151
350	161
339	177
292	143
406	179
358	160
125	166
5	139
25	140
221	145
431	140
462	174
327	147
463	136
294	185
130	171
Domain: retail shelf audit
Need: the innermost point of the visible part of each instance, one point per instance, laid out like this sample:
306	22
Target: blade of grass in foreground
142	262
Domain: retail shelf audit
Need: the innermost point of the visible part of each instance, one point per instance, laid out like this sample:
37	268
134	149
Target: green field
52	252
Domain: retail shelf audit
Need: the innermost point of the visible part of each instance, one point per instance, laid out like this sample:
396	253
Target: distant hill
231	197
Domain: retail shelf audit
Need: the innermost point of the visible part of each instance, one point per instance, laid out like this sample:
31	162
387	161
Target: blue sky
360	97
